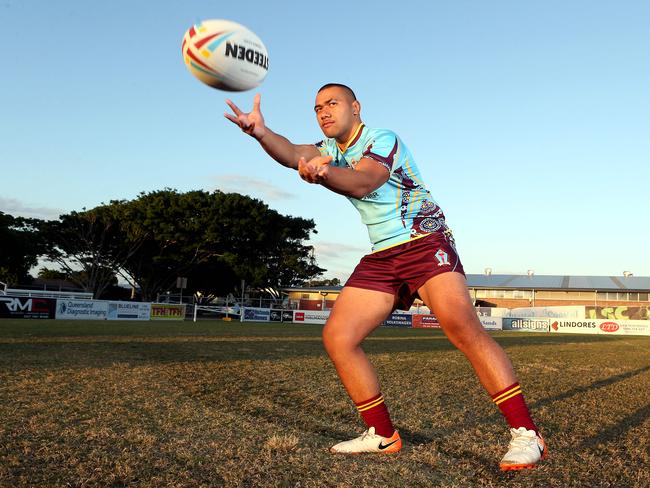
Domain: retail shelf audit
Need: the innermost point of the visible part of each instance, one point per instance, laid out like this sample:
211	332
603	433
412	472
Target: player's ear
357	107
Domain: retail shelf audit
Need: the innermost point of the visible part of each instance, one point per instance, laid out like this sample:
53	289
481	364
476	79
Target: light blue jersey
402	208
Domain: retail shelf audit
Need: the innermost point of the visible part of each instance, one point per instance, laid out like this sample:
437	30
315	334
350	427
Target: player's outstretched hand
252	123
315	170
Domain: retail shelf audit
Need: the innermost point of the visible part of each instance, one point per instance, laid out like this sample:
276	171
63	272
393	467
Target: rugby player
413	254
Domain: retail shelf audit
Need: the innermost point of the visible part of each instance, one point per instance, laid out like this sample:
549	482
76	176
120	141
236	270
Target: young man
413	254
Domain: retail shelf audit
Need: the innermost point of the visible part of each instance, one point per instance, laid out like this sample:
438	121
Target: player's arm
366	177
278	147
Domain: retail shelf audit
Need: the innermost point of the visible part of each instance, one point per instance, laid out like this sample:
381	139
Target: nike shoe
526	449
369	442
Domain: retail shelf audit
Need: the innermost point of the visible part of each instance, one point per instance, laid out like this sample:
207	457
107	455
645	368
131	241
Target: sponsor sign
27	307
256	315
491	323
287	316
167	311
584	326
313	317
129	311
564	312
275	316
624	327
81	309
425	322
492	311
531	324
618	313
398	320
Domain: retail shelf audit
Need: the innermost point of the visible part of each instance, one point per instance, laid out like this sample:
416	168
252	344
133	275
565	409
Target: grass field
225	404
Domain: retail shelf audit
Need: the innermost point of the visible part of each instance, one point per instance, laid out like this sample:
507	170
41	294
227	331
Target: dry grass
217	404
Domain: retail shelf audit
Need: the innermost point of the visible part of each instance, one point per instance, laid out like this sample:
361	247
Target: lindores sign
617	327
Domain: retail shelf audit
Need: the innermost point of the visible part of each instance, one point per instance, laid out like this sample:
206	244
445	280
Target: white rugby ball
225	55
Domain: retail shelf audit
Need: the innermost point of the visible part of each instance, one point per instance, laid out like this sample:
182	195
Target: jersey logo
442	257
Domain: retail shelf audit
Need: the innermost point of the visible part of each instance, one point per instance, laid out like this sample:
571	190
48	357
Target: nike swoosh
382	446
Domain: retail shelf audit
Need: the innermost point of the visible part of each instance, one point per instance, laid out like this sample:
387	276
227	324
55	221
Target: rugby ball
225	55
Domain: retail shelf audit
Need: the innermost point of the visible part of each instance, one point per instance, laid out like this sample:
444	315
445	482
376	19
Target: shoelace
521	441
367	434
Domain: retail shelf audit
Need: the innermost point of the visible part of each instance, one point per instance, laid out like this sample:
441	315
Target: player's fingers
232	118
321	160
233	107
256	102
304	170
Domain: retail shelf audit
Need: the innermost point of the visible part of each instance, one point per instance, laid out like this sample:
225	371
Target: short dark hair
339	85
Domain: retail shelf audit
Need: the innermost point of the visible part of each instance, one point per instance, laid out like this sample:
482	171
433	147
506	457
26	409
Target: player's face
335	112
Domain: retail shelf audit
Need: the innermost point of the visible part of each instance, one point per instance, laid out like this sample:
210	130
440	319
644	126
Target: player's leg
356	313
447	296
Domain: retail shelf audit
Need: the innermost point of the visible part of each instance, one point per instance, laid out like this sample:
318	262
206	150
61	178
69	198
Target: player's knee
464	334
336	341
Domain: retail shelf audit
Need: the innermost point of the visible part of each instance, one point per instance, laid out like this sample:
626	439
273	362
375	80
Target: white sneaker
526	449
369	442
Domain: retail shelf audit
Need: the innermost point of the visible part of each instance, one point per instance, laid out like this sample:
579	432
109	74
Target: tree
216	240
51	274
20	246
325	282
90	246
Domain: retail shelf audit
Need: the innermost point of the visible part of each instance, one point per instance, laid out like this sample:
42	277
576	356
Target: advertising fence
398	320
27	308
81	310
621	320
167	311
129	311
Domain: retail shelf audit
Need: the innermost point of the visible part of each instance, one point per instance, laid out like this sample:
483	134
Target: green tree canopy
215	239
90	246
20	246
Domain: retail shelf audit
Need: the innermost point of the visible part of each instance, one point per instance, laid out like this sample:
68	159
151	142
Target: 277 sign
28	308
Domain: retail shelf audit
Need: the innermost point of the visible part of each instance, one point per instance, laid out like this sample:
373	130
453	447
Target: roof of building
559	282
535	282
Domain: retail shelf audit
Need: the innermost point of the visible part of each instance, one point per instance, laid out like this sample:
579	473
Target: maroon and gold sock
513	407
375	414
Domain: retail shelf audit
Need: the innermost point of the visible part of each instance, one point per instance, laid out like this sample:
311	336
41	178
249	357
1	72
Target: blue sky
530	121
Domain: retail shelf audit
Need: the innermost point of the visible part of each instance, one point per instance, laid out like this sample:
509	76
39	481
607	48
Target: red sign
609	326
299	317
425	322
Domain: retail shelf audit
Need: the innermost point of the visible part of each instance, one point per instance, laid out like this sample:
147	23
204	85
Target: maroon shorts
403	269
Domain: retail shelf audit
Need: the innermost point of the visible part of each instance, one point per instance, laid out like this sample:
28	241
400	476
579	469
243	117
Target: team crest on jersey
442	257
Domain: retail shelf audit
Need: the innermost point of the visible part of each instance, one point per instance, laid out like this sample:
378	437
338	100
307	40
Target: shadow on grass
588	388
617	430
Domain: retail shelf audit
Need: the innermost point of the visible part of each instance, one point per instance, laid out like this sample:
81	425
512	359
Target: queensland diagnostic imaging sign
81	310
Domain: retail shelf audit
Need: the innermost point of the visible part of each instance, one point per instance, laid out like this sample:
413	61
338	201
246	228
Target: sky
529	121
